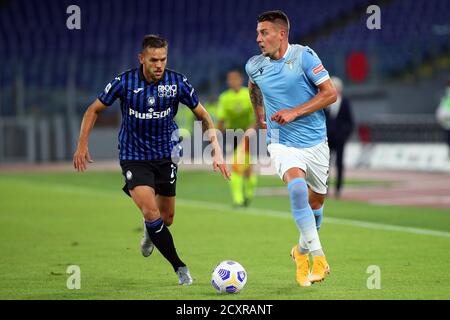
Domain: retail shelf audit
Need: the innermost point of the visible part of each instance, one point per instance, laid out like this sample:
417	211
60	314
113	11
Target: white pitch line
249	211
338	221
443	199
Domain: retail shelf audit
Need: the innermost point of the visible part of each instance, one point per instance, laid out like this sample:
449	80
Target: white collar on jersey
287	51
284	56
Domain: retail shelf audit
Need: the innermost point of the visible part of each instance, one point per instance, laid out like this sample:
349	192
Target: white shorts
314	161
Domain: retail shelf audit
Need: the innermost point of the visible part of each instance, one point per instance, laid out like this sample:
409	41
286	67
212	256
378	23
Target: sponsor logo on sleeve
318	69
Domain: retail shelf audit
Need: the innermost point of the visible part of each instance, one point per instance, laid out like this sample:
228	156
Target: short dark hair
237	70
154	41
275	16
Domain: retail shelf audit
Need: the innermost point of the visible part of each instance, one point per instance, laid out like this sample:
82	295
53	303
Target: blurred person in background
340	126
211	106
443	114
235	111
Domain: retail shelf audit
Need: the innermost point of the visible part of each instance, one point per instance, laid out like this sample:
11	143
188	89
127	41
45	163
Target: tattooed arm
258	105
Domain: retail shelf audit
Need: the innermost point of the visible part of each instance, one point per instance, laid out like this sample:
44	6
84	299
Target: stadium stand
51	71
107	43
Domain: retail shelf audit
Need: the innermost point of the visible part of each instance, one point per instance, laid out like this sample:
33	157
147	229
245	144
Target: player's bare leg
145	199
166	207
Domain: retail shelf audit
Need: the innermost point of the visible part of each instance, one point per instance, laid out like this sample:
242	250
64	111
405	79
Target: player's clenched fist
284	116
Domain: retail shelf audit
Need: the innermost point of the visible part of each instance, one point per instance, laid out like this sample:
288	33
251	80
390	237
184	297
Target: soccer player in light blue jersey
289	88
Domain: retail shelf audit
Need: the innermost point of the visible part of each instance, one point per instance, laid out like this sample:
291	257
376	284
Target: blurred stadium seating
53	73
215	35
410	33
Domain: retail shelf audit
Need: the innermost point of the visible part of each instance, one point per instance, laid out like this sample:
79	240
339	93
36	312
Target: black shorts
161	175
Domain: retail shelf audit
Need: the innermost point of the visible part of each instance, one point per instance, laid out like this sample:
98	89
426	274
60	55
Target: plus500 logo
167	90
150	114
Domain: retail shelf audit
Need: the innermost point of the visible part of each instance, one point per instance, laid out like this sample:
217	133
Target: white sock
303	246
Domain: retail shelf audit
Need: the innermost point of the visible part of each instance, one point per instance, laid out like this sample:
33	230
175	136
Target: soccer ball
229	276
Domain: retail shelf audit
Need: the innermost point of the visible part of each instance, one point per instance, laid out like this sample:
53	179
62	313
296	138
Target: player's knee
316	204
167	216
298	192
150	213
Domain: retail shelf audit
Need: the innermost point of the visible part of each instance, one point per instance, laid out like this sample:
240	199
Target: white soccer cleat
184	277
147	245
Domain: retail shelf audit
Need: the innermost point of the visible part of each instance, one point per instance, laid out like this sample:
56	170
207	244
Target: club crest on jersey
290	63
167	90
151	101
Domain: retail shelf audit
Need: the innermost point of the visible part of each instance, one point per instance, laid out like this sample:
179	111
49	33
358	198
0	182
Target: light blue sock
303	214
318	215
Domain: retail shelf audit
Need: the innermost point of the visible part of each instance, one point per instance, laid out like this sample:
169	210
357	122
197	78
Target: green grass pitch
49	221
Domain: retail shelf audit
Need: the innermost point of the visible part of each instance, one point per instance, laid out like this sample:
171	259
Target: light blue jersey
286	84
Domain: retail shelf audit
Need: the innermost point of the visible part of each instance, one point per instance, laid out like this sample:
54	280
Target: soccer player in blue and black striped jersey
149	98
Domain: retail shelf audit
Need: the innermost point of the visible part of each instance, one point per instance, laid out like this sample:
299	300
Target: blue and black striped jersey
148	112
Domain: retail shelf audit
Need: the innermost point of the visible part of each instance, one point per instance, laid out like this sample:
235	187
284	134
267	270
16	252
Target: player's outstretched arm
257	102
81	155
207	124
